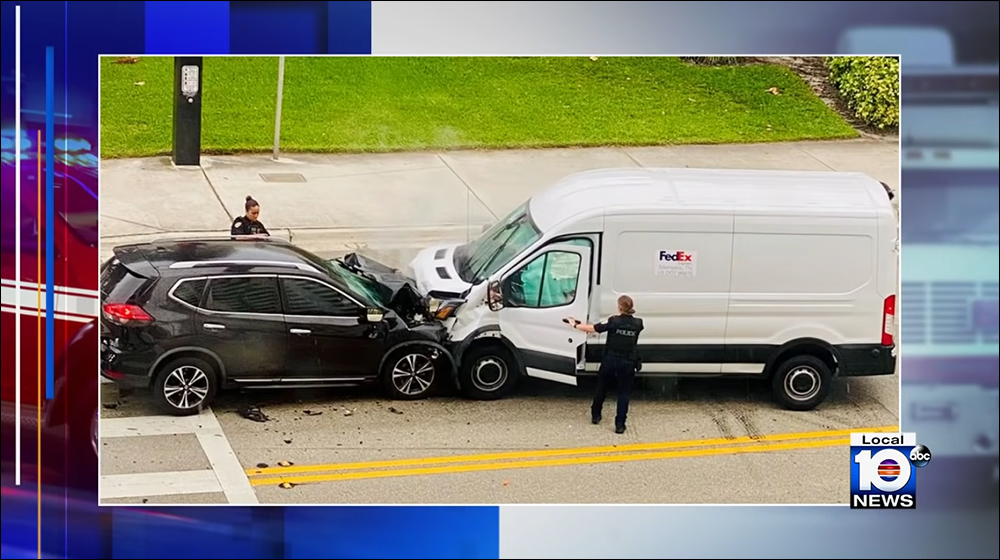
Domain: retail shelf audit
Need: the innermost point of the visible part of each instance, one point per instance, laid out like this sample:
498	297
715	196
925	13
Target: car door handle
213	327
300	331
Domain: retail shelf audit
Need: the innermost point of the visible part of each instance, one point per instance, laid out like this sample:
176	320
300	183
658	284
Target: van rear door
549	286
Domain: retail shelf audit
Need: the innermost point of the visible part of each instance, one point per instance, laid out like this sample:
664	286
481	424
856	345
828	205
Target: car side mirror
494	296
372	315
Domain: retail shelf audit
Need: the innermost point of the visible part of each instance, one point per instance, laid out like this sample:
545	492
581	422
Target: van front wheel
489	372
801	383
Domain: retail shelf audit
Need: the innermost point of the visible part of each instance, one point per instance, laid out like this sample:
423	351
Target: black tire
488	372
411	373
801	383
202	381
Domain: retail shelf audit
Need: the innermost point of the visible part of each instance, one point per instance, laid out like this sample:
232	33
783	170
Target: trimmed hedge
870	87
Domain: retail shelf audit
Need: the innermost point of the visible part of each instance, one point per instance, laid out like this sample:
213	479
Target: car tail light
126	314
888	320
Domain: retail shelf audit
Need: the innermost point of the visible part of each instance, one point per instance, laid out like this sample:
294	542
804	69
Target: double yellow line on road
304	474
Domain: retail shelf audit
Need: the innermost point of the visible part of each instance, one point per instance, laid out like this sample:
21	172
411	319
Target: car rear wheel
185	386
411	373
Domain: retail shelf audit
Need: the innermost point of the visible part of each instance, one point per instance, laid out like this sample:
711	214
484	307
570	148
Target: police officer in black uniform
249	223
620	361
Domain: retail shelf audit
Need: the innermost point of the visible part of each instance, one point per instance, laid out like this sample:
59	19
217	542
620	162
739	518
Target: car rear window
118	283
189	291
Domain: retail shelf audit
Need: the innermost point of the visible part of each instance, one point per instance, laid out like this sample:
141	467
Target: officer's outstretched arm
581	326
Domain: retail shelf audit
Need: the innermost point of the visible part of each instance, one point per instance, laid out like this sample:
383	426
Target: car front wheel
411	373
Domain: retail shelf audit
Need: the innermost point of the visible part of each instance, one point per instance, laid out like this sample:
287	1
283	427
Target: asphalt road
699	441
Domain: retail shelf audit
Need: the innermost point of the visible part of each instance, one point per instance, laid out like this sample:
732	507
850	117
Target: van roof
590	192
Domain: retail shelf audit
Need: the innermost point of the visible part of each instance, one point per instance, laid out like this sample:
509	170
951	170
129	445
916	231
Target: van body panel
676	267
794	277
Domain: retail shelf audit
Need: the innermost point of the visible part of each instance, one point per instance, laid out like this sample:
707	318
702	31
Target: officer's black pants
622	373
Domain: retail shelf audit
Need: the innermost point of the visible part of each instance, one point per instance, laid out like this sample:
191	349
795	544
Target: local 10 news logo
884	470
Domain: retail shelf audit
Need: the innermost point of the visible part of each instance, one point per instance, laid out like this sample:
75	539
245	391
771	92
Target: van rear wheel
801	383
489	372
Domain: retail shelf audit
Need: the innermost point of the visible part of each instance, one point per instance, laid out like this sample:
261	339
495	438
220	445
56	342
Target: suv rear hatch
125	279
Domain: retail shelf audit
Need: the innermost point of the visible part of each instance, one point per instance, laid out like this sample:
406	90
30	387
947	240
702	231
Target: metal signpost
187	110
277	110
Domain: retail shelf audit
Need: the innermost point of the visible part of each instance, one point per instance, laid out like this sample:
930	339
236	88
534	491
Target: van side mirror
372	315
494	296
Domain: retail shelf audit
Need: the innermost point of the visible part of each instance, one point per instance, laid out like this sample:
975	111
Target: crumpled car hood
399	290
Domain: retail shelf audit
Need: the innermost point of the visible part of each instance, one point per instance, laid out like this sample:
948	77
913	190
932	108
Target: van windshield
950	206
480	258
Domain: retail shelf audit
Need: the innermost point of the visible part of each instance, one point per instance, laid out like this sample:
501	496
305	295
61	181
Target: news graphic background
72	526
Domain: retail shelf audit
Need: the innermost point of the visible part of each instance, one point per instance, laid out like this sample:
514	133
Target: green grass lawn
372	104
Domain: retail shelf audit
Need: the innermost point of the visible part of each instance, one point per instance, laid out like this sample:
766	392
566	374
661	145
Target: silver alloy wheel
489	374
803	383
413	374
186	387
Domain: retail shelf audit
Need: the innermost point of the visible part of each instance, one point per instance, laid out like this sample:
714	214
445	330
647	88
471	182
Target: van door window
549	280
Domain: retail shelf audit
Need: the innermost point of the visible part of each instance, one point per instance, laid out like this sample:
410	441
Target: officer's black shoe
620	429
595	419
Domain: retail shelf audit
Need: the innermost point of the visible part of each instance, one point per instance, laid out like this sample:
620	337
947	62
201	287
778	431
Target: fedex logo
675	256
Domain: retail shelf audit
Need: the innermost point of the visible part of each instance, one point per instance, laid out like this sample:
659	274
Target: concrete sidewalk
337	203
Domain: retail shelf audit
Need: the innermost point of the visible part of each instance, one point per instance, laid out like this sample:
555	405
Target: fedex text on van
675	256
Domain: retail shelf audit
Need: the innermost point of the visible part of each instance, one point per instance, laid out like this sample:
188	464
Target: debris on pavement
253	412
288	440
312	412
348	412
395	410
261	465
111	406
285	463
506	483
287	485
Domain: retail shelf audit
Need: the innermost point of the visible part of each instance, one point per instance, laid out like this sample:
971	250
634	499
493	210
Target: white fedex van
787	275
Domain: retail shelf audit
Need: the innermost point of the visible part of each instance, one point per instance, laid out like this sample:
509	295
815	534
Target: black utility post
187	110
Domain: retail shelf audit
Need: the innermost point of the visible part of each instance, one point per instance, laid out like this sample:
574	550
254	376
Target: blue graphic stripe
349	27
372	532
283	28
50	249
191	28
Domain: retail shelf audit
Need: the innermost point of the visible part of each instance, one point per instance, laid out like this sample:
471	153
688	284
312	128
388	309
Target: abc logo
920	456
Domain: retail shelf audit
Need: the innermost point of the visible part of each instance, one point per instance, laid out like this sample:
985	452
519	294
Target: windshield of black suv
363	287
949	206
484	255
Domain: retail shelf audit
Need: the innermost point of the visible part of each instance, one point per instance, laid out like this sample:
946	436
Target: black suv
188	317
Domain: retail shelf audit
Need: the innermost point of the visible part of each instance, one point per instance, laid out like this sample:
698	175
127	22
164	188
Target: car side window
190	291
313	299
549	280
252	294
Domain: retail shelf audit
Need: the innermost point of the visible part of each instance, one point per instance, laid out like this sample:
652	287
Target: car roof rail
223	263
205	238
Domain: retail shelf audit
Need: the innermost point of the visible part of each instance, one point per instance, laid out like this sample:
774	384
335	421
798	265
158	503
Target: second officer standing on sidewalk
620	361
